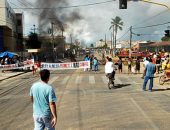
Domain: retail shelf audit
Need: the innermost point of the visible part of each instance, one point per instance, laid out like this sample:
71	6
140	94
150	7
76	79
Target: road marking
91	80
53	79
78	79
65	80
144	114
105	80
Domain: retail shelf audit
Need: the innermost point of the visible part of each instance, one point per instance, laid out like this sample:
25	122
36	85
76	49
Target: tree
167	36
33	42
91	45
116	24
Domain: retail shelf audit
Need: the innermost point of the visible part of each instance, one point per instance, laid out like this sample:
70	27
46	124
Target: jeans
146	78
95	67
42	122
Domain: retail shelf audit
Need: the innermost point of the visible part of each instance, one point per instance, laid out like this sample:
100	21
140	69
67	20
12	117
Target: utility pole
113	41
34	28
111	45
105	39
52	34
130	42
71	43
105	44
53	47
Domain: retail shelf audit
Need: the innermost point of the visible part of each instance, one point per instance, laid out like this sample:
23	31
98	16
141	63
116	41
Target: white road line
105	80
65	80
91	80
53	79
78	79
144	114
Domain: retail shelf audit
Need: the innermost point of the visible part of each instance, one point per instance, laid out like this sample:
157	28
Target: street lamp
148	1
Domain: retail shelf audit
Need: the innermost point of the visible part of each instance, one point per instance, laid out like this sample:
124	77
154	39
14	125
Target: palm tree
116	24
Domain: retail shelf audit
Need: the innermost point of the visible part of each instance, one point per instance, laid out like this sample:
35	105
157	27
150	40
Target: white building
9	31
102	43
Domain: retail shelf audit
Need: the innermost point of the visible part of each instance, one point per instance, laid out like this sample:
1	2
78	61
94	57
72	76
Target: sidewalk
9	74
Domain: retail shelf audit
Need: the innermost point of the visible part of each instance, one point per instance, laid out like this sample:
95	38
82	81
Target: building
153	46
11	29
102	43
159	46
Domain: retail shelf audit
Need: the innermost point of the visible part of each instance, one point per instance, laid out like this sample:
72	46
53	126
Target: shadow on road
160	89
121	85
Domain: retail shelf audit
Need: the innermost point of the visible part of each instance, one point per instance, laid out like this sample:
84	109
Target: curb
13	76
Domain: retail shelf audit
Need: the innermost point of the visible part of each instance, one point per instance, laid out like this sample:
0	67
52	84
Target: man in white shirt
145	62
110	72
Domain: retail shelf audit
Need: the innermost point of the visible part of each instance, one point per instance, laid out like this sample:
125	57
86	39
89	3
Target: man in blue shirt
150	69
44	108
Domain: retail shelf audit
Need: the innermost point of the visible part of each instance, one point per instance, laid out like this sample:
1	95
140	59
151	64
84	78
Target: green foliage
33	42
91	45
165	38
104	46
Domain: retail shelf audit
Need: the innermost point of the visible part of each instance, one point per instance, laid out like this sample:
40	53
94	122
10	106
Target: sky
91	23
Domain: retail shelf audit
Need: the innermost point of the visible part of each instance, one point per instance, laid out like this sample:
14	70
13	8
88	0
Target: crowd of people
7	61
94	63
152	64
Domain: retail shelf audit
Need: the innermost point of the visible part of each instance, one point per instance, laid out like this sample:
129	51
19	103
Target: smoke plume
52	13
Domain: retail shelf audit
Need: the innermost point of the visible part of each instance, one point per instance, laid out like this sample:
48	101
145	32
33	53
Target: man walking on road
44	107
110	69
150	69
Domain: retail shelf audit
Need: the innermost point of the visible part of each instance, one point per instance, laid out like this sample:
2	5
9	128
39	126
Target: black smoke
51	11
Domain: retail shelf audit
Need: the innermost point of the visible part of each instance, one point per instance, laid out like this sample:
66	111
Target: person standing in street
95	64
120	65
137	69
110	69
43	98
150	69
145	62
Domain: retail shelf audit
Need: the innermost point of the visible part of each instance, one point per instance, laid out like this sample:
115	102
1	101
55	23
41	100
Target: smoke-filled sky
91	23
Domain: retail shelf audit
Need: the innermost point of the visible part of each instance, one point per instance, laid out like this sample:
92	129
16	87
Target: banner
50	66
8	67
70	65
21	65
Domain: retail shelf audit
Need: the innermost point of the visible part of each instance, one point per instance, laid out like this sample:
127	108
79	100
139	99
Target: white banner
49	66
22	65
8	67
70	65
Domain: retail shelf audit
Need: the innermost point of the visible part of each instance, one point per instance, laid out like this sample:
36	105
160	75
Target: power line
123	35
146	34
152	25
151	18
73	6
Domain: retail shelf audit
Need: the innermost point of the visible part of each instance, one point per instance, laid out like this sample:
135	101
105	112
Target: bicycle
111	78
165	77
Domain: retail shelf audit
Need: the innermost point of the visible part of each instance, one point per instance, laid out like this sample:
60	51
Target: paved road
85	102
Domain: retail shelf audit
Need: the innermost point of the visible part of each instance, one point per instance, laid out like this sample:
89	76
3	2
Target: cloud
93	22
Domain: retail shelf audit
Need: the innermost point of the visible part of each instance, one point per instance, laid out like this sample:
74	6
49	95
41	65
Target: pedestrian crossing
91	80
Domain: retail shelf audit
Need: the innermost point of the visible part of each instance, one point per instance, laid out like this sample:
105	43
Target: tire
109	86
162	79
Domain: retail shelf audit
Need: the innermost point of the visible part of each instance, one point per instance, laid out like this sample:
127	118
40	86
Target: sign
22	65
70	65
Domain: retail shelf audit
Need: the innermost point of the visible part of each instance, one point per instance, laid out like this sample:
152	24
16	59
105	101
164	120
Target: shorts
111	75
40	123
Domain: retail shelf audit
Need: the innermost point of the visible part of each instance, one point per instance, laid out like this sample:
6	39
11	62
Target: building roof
164	43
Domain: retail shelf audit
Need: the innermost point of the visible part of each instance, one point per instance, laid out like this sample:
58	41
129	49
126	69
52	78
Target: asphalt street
85	103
